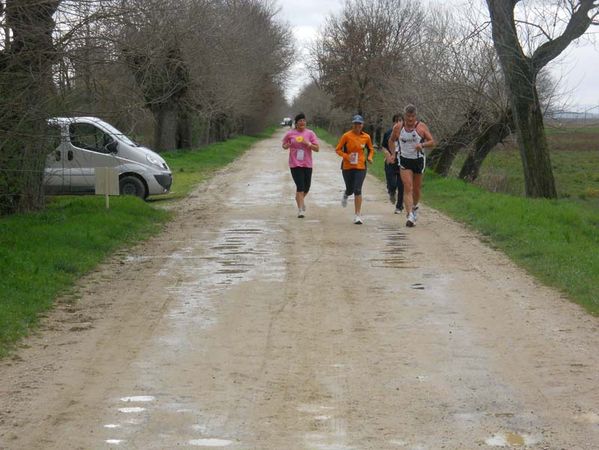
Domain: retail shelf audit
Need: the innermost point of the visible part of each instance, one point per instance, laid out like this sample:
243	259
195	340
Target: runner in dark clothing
394	184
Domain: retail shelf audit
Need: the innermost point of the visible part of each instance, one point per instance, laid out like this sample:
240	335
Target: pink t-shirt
299	153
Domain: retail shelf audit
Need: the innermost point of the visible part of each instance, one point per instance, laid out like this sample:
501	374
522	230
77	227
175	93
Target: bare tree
362	50
521	72
25	93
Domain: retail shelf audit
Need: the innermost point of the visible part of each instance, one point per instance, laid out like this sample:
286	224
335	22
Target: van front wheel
130	185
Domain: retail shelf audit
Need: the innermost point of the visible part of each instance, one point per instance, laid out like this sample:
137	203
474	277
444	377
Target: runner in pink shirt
301	142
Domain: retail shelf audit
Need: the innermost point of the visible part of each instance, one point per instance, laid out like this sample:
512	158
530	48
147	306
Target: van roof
67	120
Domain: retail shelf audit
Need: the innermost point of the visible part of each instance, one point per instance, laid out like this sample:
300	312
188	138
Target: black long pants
394	183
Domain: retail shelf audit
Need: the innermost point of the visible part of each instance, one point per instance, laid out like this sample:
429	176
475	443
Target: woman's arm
313	144
370	149
339	148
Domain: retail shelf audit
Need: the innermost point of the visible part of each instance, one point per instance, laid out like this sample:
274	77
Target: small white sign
107	181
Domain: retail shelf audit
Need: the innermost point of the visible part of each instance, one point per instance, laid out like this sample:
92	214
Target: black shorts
354	178
417	165
302	176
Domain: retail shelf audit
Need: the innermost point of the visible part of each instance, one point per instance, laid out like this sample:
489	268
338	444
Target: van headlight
153	160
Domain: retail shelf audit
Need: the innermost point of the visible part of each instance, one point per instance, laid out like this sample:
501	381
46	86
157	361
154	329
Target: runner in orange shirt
352	148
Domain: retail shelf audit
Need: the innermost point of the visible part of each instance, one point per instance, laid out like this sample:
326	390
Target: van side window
89	137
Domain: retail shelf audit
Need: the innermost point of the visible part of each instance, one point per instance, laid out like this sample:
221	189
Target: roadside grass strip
43	254
557	241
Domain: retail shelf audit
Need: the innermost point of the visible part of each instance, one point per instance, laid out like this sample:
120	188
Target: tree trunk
442	157
165	131
520	75
492	135
26	89
184	129
534	151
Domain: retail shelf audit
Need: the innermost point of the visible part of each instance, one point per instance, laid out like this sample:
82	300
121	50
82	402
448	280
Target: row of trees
174	73
477	74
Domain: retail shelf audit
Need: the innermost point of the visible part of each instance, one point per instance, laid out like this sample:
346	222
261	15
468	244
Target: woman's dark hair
300	116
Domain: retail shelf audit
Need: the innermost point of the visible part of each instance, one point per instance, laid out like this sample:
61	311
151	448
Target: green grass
574	157
555	240
43	254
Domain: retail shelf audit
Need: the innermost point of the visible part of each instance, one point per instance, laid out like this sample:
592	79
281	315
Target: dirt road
243	327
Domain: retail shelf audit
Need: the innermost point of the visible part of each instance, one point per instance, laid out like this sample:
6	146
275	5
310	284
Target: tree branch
577	25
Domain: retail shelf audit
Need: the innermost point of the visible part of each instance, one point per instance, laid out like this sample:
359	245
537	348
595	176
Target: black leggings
354	178
302	176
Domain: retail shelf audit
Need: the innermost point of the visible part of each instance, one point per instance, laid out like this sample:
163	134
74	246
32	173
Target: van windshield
119	134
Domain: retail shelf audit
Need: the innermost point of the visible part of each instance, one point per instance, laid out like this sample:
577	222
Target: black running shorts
417	165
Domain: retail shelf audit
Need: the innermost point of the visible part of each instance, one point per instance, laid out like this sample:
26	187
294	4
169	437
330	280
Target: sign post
107	183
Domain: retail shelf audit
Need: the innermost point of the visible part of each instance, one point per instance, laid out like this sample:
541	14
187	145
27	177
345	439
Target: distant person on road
352	148
394	184
301	142
413	137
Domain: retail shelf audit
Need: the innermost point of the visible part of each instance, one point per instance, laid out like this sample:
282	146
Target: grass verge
43	254
554	240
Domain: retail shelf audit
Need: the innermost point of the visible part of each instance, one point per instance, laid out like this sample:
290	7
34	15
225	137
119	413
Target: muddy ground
244	327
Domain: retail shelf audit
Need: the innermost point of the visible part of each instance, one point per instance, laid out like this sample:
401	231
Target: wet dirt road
243	327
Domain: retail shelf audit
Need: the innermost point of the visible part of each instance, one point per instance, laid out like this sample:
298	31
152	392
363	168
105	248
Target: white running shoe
415	212
398	211
358	220
344	200
300	213
411	220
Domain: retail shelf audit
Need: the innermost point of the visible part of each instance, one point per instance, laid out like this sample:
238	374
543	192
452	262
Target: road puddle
139	398
132	410
243	250
511	439
210	442
393	254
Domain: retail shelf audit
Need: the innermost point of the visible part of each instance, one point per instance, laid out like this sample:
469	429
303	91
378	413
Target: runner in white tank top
413	137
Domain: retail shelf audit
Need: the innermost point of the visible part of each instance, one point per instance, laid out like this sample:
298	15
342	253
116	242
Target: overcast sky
578	67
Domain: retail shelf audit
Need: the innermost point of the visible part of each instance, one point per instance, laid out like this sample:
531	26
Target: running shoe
392	198
358	220
344	200
398	210
411	220
415	212
300	213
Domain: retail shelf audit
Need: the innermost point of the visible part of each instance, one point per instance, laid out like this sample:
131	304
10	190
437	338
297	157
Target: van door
54	179
88	149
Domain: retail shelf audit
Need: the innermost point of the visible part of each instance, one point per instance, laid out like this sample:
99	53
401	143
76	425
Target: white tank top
407	143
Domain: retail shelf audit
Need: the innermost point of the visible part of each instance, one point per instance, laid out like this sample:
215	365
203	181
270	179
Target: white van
84	143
